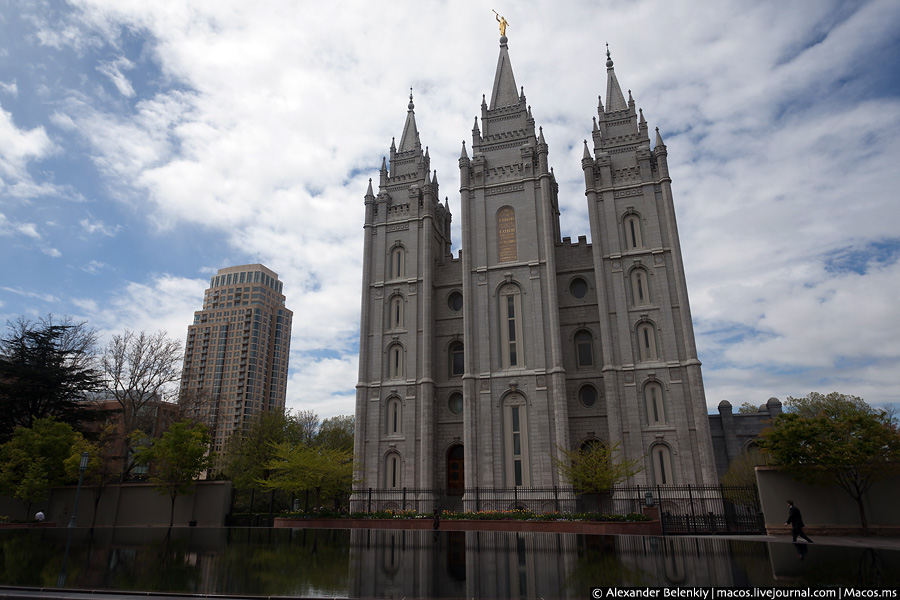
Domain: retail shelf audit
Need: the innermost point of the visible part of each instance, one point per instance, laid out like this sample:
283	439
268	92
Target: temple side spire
615	100
410	138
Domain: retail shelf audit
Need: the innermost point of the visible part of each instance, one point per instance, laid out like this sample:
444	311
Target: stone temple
475	368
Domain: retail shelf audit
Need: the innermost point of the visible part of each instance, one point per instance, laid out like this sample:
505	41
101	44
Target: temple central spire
505	92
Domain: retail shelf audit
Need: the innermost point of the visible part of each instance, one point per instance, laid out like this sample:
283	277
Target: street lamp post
82	466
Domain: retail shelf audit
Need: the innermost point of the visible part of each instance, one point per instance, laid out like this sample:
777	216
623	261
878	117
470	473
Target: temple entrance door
456	481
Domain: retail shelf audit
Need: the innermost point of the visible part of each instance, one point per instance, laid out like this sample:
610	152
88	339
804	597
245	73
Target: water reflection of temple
402	563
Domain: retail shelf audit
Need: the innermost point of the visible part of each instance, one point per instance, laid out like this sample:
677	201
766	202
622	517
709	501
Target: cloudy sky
144	145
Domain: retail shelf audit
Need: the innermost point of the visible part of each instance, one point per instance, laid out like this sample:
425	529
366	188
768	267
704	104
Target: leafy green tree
296	468
337	433
47	369
595	467
742	470
835	438
248	453
176	459
38	458
747	409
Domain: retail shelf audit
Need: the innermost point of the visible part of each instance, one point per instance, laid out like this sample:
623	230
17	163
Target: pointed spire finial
659	140
642	120
463	154
587	153
411	105
595	123
609	62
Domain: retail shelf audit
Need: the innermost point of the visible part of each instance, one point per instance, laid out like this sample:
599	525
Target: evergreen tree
47	369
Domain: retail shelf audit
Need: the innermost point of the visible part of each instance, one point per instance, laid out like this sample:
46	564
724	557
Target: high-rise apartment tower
237	349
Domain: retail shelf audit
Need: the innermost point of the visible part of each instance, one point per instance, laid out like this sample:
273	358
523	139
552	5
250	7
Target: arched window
511	345
395	361
392	417
515	441
661	461
646	338
396	316
457	359
633	238
587	395
398	262
655	404
392	471
640	288
584	349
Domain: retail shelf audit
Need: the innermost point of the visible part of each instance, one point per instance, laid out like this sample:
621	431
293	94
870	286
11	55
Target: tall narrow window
398	262
457	359
515	425
511	327
396	316
392	471
661	459
584	349
640	290
646	334
633	238
653	400
395	361
392	416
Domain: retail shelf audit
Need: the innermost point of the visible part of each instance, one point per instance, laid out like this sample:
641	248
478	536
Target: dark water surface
397	564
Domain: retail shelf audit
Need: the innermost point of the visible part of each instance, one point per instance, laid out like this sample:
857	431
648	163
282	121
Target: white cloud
164	302
94	267
91	227
265	121
9	88
19	148
113	70
49	298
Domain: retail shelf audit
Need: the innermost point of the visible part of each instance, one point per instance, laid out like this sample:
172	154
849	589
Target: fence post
662	515
693	516
477	500
403	501
369	507
556	497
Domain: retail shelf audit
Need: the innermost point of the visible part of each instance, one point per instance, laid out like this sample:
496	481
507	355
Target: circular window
587	395
455	301
578	288
455	403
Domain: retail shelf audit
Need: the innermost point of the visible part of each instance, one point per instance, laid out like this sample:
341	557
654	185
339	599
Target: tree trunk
862	514
172	511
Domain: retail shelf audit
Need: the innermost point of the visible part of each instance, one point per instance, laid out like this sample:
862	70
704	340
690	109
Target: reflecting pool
402	563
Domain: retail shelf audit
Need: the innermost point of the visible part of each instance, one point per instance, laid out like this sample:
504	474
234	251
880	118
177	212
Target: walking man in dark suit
795	520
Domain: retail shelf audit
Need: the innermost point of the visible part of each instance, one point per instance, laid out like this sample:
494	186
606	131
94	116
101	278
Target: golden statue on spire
502	21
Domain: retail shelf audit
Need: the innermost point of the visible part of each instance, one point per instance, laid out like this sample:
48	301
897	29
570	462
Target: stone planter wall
592	527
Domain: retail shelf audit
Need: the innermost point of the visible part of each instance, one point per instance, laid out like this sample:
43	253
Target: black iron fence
683	509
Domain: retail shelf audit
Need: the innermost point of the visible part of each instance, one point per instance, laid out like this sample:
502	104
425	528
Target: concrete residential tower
473	369
237	349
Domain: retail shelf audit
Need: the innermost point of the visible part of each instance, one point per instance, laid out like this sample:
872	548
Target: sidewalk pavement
854	541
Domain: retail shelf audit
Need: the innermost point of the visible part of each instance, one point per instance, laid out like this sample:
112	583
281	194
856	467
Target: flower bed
519	520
